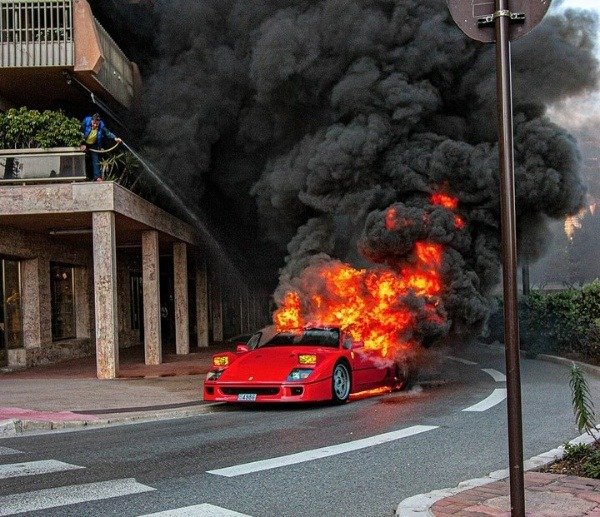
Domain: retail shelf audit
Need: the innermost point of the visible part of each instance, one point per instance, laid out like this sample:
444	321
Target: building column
105	294
216	305
151	290
182	322
82	302
35	296
202	304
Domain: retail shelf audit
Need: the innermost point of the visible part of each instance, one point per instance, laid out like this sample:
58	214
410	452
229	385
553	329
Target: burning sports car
307	365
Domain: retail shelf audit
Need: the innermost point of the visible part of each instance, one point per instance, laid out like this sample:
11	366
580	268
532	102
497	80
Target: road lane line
496	375
459	360
5	451
497	396
314	454
73	494
32	468
198	510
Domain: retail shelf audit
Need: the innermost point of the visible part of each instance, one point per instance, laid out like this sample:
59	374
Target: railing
40	33
36	33
42	165
116	74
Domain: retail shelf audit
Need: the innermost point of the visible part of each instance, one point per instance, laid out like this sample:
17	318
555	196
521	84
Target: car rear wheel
404	378
340	388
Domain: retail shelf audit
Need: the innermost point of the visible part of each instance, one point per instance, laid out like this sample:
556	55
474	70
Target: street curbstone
587	368
8	428
13	427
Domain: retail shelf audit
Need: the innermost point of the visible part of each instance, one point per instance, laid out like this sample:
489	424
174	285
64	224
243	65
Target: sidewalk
68	394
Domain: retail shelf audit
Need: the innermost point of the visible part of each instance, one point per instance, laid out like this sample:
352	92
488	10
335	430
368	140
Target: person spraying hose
95	134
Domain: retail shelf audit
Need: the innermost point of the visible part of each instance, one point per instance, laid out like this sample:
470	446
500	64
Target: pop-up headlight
220	360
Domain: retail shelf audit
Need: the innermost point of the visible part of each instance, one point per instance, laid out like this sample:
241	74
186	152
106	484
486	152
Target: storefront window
63	302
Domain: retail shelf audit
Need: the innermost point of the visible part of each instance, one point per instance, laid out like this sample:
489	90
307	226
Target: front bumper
216	391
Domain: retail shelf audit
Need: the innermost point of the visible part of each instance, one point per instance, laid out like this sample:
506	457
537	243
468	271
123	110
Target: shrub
591	467
23	128
566	323
576	452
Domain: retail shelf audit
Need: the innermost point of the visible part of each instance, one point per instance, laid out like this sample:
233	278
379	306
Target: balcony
41	40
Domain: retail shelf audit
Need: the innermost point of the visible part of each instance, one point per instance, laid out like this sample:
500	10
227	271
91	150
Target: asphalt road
360	459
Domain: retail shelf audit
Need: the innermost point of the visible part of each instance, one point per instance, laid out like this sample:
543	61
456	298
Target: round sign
476	18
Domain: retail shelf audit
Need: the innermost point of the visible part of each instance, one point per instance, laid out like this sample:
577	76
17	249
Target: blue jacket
103	132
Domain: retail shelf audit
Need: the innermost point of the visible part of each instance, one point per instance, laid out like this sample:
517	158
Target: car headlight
297	374
213	375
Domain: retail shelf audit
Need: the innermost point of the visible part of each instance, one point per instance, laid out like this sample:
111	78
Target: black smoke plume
295	125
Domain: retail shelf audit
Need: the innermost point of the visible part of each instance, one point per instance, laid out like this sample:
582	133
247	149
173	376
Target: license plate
247	397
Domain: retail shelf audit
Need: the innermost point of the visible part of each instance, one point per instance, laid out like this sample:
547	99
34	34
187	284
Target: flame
372	305
368	304
445	200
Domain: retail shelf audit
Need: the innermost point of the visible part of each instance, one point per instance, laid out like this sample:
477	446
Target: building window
62	302
11	329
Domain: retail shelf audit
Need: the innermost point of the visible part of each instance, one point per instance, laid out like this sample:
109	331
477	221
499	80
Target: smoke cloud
295	126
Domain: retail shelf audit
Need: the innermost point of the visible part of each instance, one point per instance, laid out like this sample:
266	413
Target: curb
587	368
15	427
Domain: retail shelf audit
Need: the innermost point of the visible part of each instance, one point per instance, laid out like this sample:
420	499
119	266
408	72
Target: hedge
566	323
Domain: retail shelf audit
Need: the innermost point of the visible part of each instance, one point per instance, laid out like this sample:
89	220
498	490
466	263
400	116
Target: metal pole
509	259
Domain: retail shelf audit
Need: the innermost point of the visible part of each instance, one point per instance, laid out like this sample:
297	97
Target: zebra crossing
48	498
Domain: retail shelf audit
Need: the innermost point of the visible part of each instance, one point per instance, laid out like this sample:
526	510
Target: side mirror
241	349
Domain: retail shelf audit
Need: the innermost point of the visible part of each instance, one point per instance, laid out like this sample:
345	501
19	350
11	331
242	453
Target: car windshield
319	337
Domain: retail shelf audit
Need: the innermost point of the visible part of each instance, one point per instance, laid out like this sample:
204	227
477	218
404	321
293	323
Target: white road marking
314	454
459	360
497	396
496	375
198	510
32	468
5	451
74	494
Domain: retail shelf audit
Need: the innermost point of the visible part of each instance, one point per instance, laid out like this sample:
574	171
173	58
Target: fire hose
102	151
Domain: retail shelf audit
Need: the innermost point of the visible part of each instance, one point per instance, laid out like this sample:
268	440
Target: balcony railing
42	33
42	165
36	33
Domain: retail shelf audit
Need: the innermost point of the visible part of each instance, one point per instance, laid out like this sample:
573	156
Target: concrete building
90	267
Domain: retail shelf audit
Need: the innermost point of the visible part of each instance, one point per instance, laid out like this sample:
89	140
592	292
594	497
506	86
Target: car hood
270	364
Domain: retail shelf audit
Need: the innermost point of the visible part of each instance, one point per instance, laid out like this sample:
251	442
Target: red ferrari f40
307	365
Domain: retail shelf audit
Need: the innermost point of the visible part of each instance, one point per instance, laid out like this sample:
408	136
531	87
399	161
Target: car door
368	370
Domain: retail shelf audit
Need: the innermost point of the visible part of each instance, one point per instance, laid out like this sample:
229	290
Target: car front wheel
340	383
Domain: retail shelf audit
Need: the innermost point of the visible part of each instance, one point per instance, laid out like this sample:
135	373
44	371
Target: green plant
582	403
23	128
122	168
591	467
576	452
